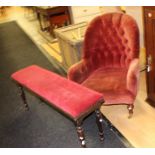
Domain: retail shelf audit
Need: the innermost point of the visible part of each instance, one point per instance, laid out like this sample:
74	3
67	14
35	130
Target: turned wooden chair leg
41	100
130	108
80	133
22	94
99	121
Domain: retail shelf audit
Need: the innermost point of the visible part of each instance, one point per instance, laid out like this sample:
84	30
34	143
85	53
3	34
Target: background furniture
29	11
84	13
2	10
64	95
45	15
87	13
58	21
110	59
70	39
149	27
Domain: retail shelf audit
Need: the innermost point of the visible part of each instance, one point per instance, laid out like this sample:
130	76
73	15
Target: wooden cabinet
47	16
70	41
85	13
149	27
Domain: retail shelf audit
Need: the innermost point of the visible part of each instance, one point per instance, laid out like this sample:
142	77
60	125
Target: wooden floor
140	129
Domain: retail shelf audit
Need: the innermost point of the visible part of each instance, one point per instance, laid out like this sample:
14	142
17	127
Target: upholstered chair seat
110	60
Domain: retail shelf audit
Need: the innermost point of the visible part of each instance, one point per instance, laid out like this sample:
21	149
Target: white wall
137	14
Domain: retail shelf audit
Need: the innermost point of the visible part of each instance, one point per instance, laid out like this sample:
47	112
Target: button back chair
110	60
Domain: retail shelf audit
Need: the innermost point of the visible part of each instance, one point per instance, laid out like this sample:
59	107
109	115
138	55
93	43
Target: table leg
39	19
22	94
80	133
99	121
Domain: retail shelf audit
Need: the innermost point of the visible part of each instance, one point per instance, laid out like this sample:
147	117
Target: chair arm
78	72
133	76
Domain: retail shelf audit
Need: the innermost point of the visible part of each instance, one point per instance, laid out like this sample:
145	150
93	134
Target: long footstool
68	97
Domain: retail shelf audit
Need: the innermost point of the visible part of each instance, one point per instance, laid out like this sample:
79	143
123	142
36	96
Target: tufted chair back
111	41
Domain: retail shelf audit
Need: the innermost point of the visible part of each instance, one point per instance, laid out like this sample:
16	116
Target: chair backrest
111	40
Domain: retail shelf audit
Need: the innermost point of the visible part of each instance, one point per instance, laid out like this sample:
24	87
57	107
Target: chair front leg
80	133
130	108
99	121
22	94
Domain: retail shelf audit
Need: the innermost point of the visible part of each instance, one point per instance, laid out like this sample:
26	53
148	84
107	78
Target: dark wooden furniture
68	97
149	29
46	14
2	10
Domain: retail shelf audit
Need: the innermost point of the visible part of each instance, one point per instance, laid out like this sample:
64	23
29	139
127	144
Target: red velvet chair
110	59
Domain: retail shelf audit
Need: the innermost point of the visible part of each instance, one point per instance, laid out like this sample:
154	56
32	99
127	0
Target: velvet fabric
110	58
69	97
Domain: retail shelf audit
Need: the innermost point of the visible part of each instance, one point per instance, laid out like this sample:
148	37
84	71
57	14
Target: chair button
125	41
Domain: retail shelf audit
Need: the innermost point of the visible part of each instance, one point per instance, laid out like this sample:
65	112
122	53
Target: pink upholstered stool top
68	96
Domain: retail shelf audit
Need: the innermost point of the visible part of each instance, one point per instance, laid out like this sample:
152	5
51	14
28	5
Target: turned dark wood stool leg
80	133
41	100
99	121
22	94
